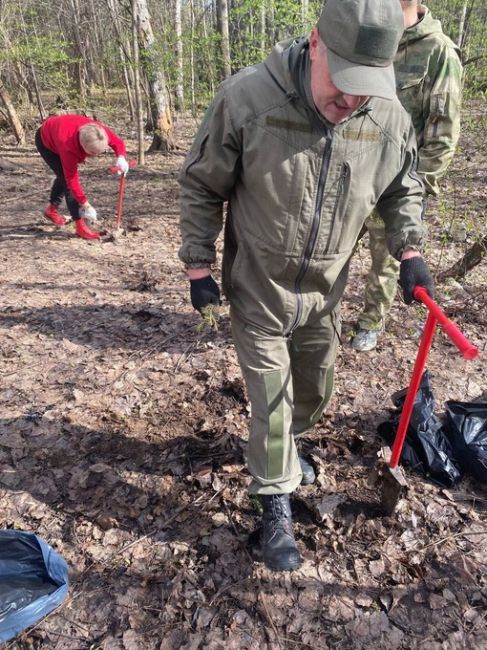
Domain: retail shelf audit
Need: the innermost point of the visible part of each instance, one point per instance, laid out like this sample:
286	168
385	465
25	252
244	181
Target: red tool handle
468	350
407	409
120	199
115	168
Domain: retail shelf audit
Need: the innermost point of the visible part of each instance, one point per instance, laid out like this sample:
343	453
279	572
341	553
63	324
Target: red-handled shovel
393	477
114	170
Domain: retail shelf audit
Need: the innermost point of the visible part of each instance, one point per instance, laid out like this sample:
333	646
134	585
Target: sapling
210	314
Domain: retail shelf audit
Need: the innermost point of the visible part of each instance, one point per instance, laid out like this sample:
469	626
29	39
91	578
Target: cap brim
365	80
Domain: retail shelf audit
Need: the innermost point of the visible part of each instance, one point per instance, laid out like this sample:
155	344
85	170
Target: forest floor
123	428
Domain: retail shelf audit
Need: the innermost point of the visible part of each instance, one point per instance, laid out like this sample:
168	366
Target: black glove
413	272
204	292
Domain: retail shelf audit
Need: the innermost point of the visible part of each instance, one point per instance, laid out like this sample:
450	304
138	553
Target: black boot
309	475
279	549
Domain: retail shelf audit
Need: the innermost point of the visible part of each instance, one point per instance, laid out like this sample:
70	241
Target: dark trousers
59	187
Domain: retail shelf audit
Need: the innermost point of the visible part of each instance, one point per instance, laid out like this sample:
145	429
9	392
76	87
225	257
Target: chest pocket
410	81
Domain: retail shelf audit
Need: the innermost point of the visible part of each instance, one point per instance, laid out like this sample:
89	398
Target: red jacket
59	133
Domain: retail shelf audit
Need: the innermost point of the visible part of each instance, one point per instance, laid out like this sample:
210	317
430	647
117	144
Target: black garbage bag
426	449
33	581
466	427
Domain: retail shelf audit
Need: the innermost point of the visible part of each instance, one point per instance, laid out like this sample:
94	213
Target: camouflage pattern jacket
429	86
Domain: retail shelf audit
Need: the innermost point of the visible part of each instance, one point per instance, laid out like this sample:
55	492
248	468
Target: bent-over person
64	142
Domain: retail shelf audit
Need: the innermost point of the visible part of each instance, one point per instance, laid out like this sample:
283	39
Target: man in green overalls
302	147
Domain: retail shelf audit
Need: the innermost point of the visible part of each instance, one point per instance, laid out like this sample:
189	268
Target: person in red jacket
65	141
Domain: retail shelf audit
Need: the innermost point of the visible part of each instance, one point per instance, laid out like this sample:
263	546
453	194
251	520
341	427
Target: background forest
165	56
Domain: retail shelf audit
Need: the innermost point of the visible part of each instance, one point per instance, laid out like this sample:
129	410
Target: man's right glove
123	165
413	272
204	292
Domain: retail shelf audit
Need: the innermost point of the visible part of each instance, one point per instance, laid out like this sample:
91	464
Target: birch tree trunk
191	57
225	35
179	56
461	25
304	13
262	31
163	139
138	95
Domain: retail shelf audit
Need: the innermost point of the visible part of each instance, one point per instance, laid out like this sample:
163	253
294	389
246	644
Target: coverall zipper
341	180
315	227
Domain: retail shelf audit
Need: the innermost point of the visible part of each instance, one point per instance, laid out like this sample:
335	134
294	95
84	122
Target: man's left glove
204	292
413	272
88	213
123	165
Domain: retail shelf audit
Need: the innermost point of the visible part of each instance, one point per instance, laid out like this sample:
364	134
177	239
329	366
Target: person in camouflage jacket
429	86
301	147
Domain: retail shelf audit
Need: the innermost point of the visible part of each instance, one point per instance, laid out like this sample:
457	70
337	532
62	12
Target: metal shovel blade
394	487
391	481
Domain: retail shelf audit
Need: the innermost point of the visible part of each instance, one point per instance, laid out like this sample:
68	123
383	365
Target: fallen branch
474	255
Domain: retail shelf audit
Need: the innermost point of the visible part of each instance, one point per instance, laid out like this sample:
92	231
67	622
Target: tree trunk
40	105
262	30
304	13
12	116
225	36
128	87
81	70
191	57
179	56
138	95
461	25
163	139
209	56
125	58
97	50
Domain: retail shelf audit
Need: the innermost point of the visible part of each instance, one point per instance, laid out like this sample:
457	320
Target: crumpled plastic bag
33	581
427	448
466	427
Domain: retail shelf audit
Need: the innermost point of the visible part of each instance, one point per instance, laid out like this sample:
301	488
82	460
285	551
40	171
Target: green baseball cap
362	37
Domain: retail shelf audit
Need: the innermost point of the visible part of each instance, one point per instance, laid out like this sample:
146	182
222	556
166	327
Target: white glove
88	213
123	165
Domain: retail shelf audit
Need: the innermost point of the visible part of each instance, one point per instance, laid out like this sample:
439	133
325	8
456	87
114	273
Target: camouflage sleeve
207	177
442	125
